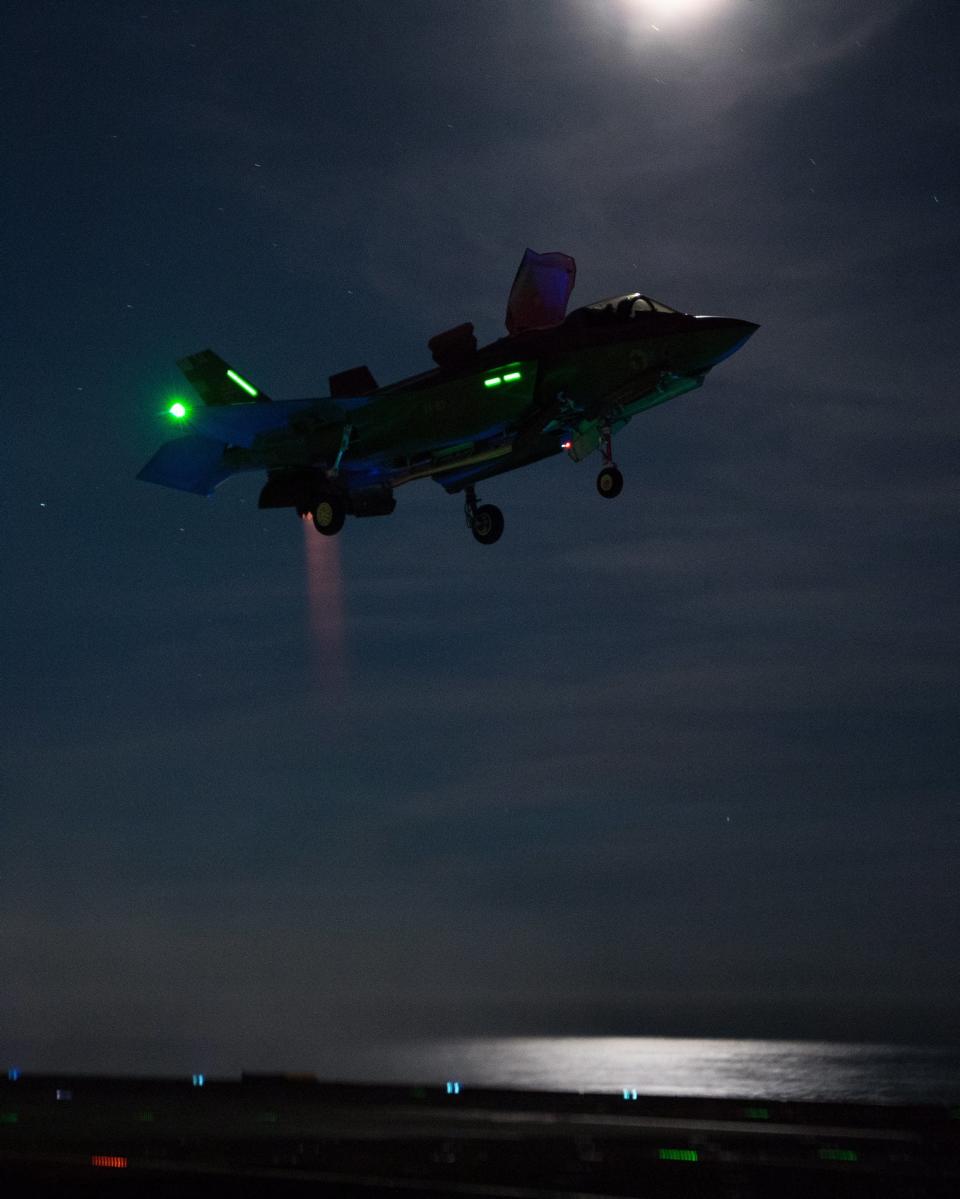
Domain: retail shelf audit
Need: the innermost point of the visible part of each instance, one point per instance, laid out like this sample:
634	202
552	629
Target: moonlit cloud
586	778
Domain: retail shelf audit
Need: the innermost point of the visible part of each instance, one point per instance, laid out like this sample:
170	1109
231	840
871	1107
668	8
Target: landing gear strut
485	521
609	480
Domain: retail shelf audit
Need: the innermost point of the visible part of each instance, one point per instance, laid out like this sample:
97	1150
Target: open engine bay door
539	295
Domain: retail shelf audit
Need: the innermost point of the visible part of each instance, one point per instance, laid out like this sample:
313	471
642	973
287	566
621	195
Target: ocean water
798	1070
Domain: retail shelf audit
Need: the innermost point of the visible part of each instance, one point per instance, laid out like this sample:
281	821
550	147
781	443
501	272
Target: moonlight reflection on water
796	1070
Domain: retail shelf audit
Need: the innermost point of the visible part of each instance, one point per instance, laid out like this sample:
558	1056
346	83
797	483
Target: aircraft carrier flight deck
276	1134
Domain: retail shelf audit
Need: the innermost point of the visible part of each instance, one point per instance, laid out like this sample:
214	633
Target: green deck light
177	410
837	1155
494	382
250	390
678	1155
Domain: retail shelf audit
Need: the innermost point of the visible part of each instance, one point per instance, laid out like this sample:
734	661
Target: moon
671	13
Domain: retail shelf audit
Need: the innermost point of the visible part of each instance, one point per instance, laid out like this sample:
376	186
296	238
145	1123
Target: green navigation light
837	1155
512	377
177	410
251	391
494	382
678	1155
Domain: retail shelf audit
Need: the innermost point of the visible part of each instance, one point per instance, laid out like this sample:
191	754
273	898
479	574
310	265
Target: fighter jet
558	383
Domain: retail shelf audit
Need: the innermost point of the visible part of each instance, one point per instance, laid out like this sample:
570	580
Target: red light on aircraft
107	1162
566	445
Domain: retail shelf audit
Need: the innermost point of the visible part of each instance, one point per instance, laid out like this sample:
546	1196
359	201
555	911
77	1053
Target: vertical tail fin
216	382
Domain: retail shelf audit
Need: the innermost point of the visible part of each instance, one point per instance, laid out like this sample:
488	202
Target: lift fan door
538	298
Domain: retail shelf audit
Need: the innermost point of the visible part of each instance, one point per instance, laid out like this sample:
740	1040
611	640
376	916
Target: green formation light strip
678	1155
242	383
509	377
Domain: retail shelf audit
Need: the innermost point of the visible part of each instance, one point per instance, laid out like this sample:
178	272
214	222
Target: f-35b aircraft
555	384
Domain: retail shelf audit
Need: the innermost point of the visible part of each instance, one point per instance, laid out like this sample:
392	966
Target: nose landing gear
485	521
609	480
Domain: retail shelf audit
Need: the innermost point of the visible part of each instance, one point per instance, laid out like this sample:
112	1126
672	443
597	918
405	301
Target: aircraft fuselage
556	384
436	423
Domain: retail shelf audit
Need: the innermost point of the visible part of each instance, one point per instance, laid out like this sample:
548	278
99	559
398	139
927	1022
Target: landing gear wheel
609	482
329	513
487	524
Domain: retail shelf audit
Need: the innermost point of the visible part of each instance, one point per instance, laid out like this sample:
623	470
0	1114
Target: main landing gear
485	521
609	480
329	512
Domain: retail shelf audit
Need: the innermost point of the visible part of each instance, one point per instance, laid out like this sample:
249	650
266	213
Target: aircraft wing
191	463
539	295
241	424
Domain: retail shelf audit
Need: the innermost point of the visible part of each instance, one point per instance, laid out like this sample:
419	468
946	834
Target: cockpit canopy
618	308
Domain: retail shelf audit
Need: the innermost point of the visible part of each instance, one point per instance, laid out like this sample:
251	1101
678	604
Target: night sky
682	763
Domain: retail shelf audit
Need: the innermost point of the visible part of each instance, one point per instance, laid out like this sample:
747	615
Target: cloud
585	779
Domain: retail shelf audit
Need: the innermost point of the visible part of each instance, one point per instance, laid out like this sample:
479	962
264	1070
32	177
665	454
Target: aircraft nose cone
721	336
740	332
737	330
